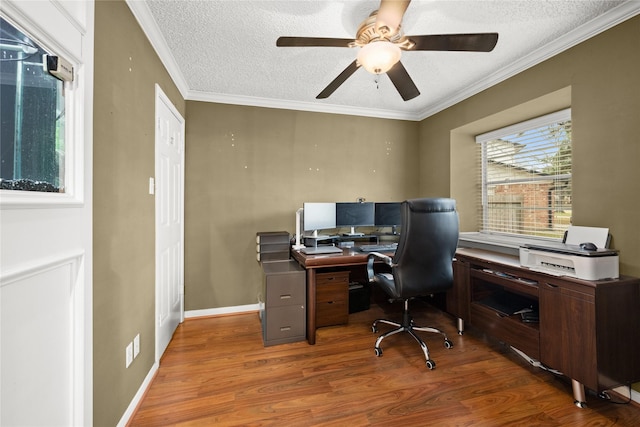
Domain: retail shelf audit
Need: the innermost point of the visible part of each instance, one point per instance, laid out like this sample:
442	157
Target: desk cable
604	395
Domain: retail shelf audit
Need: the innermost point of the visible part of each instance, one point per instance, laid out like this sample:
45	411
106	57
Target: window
526	177
32	117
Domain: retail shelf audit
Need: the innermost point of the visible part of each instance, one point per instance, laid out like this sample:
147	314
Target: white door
169	189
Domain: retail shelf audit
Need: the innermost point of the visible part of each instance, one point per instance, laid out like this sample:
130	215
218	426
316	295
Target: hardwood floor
216	371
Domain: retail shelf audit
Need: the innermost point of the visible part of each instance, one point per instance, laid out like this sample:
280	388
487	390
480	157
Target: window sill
501	243
15	199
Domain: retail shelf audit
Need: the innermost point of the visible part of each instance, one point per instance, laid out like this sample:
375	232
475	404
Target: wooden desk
588	330
313	264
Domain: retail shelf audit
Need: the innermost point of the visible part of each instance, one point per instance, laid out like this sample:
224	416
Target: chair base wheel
431	364
448	343
378	351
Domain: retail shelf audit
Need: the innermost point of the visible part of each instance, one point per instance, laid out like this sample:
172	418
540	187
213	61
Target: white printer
574	259
570	260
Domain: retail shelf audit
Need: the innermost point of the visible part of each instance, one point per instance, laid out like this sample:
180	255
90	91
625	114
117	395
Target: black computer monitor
318	216
387	214
355	214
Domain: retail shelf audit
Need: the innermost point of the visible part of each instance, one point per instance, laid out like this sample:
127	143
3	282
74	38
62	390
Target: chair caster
448	343
431	364
374	329
378	351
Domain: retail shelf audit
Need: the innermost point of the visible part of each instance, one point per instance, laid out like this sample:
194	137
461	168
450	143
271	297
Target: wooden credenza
588	330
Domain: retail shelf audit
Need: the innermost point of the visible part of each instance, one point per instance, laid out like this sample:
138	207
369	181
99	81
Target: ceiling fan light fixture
378	57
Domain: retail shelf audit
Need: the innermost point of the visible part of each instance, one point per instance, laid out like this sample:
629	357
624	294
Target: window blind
526	177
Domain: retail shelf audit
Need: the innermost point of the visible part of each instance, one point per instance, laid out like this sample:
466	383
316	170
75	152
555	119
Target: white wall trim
162	335
138	396
74	261
149	26
194	95
623	392
602	23
596	26
222	310
152	372
30	269
33	18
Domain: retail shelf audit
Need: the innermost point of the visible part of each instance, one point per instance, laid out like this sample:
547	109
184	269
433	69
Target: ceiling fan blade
390	16
312	41
403	82
481	42
342	77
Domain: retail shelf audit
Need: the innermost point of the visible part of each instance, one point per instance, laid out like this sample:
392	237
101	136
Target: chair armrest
372	258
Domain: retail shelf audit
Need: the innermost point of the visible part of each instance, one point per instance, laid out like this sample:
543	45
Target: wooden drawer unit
283	310
332	298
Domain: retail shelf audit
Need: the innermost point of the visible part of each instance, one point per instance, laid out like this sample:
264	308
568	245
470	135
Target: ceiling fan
381	42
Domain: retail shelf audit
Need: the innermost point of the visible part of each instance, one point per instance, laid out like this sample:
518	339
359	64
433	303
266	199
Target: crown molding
149	26
592	28
613	17
251	101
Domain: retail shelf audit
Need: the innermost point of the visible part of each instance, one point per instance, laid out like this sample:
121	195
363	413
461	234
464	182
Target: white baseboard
624	391
222	310
138	397
187	314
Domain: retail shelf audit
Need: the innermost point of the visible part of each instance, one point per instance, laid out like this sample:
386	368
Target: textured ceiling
225	51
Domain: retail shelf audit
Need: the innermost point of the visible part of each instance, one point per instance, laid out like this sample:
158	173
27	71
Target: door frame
161	97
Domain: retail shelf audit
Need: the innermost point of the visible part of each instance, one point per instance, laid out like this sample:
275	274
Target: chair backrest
427	245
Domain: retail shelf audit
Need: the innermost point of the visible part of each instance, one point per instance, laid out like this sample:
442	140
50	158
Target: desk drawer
509	329
332	278
332	298
332	313
332	292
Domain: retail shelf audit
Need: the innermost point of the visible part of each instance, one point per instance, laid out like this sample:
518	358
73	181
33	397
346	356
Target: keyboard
321	250
391	247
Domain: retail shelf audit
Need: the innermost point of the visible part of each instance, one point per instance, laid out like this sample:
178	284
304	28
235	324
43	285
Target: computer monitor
318	216
355	214
388	215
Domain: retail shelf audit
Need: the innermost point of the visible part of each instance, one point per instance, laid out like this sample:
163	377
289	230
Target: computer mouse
588	246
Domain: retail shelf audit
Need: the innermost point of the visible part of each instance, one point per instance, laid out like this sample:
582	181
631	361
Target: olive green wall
249	169
126	70
598	79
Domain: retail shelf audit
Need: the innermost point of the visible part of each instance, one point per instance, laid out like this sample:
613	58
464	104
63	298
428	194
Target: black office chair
422	264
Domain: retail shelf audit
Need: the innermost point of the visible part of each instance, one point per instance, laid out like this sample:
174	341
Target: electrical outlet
128	354
136	346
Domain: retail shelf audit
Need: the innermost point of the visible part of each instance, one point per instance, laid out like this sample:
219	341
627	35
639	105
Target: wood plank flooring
216	371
